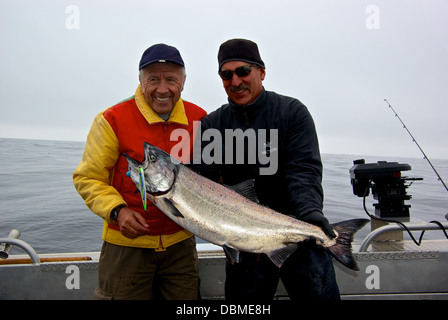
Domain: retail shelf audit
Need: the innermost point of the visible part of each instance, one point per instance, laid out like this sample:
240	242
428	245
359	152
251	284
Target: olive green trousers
128	273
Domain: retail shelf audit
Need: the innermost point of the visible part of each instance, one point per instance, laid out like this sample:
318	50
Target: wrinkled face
243	90
162	84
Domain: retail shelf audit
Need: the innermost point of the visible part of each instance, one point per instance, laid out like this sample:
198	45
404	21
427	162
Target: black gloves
318	219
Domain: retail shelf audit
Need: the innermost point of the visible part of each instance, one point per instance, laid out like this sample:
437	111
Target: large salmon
223	216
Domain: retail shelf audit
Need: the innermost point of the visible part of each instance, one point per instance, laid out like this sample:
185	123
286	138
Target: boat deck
388	270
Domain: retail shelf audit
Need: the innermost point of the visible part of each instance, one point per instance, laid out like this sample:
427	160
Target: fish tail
342	250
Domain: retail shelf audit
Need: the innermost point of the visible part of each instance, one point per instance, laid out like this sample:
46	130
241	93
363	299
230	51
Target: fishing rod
414	140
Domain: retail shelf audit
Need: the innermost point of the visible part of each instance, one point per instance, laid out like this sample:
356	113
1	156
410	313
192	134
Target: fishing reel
387	184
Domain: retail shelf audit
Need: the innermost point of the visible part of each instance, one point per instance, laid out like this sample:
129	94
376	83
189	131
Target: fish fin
278	257
247	189
233	255
342	250
170	206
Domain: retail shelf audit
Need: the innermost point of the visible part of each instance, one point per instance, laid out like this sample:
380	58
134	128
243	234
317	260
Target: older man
294	188
144	254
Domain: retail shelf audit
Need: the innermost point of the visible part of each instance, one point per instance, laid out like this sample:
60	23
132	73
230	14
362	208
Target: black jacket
294	188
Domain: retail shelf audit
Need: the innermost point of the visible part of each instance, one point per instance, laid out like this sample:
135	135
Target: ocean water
37	196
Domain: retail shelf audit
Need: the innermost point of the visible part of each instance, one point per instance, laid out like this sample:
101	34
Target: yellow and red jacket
101	177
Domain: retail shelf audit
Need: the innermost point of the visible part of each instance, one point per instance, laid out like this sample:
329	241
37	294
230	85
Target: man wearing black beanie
295	188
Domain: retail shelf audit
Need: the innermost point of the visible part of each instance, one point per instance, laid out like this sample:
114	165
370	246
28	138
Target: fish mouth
158	185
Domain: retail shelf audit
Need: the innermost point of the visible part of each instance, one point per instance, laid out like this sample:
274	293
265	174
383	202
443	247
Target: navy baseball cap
160	53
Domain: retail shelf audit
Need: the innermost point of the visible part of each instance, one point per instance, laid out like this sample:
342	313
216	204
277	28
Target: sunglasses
240	72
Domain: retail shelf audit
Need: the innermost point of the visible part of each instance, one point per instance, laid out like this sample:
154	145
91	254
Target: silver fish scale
218	214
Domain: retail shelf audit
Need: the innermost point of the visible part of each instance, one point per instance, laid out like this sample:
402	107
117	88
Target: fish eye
152	158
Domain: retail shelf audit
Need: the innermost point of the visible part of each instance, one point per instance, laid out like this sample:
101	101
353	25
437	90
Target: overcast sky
62	62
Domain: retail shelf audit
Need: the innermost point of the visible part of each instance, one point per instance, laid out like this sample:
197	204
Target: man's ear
262	73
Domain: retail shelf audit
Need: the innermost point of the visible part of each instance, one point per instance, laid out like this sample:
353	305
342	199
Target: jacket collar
177	115
250	108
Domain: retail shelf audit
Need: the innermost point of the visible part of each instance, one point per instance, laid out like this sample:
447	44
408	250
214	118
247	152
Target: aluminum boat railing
6	244
395	227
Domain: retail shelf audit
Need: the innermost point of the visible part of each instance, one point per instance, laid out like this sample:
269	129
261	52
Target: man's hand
132	224
318	219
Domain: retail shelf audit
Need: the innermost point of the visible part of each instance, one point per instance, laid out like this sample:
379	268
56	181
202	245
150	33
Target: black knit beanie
240	50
